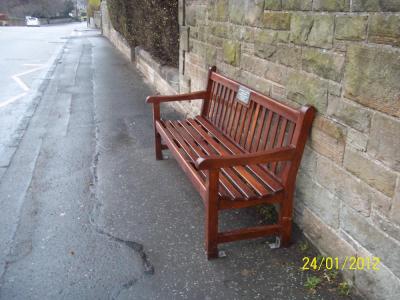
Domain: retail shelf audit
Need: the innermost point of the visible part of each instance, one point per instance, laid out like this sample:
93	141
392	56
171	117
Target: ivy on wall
151	24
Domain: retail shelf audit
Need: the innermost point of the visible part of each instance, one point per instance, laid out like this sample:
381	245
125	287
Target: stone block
309	162
395	209
273	5
334	88
229	70
328	139
318	199
315	30
370	237
331	5
190	15
326	145
276	20
256	82
325	64
384	142
218	10
219	29
357	140
352	28
308	90
184	38
287	55
350	113
384	30
350	189
376	5
278	92
237	11
372	77
231	52
376	175
330	127
372	283
297	4
254	12
386	225
240	33
324	237
211	55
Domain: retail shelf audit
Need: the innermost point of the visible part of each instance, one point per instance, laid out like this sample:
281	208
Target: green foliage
344	288
268	213
312	282
304	246
92	6
151	24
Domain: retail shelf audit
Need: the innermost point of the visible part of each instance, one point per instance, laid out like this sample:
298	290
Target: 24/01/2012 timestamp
346	263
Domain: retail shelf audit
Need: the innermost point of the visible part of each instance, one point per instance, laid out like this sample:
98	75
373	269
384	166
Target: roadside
87	211
27	67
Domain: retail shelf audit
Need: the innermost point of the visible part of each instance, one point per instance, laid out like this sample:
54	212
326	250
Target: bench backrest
260	124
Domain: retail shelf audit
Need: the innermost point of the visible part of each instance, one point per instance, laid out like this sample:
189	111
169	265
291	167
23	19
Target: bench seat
195	138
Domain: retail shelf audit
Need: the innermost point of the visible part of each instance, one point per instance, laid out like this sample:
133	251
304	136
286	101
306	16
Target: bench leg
157	136
211	215
286	233
157	145
285	220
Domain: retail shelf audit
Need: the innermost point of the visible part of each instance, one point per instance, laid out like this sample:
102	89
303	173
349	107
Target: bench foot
286	233
158	147
212	254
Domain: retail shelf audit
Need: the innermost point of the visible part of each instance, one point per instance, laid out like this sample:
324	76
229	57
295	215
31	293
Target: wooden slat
193	174
259	189
257	136
238	110
185	130
262	174
280	108
265	133
227	108
214	94
230	112
279	142
243	119
272	133
247	123
190	151
252	129
231	148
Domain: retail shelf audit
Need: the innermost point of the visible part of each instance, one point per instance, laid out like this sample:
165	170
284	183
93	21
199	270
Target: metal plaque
243	95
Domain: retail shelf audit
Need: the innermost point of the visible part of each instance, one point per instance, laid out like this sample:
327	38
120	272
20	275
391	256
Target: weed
312	282
304	246
330	275
268	213
344	288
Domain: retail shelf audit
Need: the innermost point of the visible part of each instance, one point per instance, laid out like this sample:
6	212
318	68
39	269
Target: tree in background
92	6
37	8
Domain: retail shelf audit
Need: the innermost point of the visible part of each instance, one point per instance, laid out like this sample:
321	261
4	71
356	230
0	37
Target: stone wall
114	36
343	57
164	78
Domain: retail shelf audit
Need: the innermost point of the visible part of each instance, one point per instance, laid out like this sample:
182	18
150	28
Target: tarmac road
26	54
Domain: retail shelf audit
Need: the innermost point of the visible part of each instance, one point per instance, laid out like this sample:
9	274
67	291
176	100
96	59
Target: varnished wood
237	155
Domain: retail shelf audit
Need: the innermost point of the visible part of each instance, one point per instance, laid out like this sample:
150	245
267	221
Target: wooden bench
244	149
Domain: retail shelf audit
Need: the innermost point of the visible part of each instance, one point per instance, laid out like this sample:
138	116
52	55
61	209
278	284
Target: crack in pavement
148	268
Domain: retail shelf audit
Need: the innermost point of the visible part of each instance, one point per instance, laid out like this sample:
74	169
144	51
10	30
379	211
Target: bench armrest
181	97
226	161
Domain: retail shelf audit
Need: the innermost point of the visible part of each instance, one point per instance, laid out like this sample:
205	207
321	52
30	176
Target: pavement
88	213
